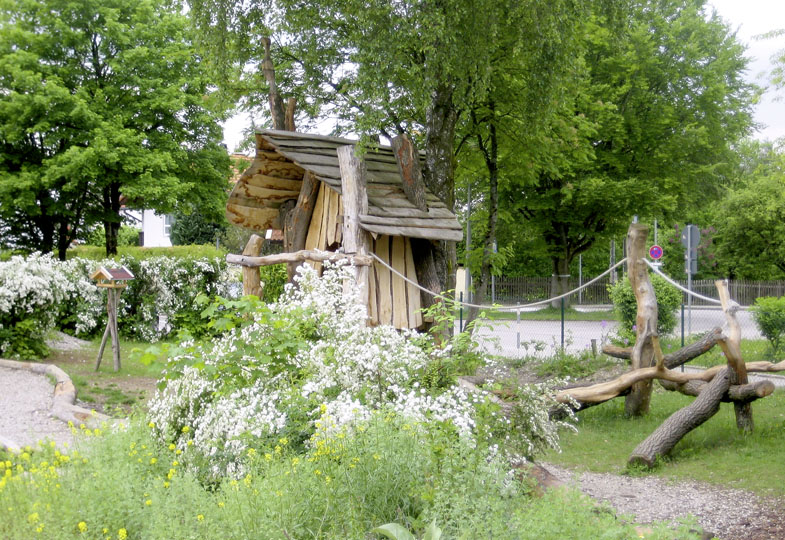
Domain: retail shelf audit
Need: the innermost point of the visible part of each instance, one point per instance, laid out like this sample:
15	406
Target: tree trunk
491	155
670	432
276	103
63	240
408	159
560	280
676	358
111	197
637	401
439	174
252	281
427	276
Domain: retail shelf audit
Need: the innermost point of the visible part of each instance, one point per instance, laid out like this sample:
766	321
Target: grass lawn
105	390
714	452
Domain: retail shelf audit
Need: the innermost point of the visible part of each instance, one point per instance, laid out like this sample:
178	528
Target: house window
168	220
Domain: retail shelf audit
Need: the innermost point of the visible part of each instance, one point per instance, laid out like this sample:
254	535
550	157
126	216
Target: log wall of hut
391	300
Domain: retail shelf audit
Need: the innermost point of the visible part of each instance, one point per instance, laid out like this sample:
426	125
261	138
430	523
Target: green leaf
432	532
394	531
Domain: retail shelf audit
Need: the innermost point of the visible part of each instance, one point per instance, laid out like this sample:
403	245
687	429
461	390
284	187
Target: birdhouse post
113	280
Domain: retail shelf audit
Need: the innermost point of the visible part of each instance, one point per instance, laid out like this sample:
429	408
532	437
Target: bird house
112	278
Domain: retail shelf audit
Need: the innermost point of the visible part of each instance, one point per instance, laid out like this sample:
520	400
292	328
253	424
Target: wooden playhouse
389	218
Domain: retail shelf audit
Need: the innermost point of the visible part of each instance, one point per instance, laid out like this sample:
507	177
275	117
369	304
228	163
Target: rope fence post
562	324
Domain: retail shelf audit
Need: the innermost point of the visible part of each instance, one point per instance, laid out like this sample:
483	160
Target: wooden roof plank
427	223
414	232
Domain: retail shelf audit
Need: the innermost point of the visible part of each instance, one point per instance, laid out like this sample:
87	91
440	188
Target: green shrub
274	277
191	252
668	300
769	314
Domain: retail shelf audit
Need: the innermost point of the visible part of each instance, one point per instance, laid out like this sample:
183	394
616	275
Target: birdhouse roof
116	274
275	176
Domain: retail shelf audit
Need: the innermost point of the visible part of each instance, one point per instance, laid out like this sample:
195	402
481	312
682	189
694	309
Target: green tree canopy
102	103
648	128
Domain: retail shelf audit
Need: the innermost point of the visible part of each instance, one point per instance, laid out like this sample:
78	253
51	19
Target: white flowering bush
31	289
39	292
308	370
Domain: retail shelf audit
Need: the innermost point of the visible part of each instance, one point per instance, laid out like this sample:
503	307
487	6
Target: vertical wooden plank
252	282
315	227
412	292
332	217
355	204
400	312
384	282
373	293
115	338
339	224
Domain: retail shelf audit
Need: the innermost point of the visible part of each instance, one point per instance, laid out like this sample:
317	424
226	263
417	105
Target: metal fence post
562	324
682	331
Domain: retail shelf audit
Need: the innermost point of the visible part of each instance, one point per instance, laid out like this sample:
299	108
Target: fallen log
671	431
676	358
742	393
297	256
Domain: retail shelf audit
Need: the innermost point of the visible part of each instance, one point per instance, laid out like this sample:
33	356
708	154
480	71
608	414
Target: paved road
542	338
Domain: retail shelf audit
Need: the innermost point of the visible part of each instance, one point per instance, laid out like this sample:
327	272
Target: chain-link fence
586	322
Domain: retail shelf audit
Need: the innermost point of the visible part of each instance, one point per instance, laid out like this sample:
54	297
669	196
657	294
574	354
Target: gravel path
730	514
25	402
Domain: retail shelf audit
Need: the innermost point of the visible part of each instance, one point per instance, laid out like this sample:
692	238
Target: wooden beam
408	160
252	282
296	221
297	256
427	223
415	232
355	203
731	347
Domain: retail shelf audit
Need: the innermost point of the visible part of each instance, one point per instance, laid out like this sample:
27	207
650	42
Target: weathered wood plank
264	194
281	169
382	250
327	149
415	232
432	213
373	294
400	311
412	292
391	203
258	219
272	182
332	216
428	223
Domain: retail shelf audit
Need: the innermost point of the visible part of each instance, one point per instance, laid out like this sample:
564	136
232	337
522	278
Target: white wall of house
156	229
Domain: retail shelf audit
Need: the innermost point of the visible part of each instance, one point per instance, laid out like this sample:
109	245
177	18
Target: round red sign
655	252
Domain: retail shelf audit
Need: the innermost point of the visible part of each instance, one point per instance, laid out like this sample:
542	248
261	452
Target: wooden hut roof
275	176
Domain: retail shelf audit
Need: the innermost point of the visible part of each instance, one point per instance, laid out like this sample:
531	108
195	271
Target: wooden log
736	393
355	203
642	356
297	221
252	281
452	235
670	432
114	293
297	256
408	160
676	358
731	346
429	223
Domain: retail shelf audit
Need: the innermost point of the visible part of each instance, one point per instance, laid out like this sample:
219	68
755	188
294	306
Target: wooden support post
252	281
637	401
297	220
112	294
355	204
731	346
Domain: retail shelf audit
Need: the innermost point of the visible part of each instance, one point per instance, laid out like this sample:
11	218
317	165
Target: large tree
646	129
102	103
387	68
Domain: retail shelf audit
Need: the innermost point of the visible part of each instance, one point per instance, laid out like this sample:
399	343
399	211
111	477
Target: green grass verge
752	350
715	452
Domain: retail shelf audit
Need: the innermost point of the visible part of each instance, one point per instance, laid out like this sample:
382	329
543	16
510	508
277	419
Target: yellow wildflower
122	534
148	502
82	526
172	446
186	429
199	517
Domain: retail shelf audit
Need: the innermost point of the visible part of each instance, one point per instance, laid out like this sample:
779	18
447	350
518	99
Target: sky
749	18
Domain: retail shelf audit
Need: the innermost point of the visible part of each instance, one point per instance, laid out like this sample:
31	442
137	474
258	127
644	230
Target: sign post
690	238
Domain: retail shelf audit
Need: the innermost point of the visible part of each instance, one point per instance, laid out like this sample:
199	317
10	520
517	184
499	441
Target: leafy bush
308	369
769	314
668	300
274	277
